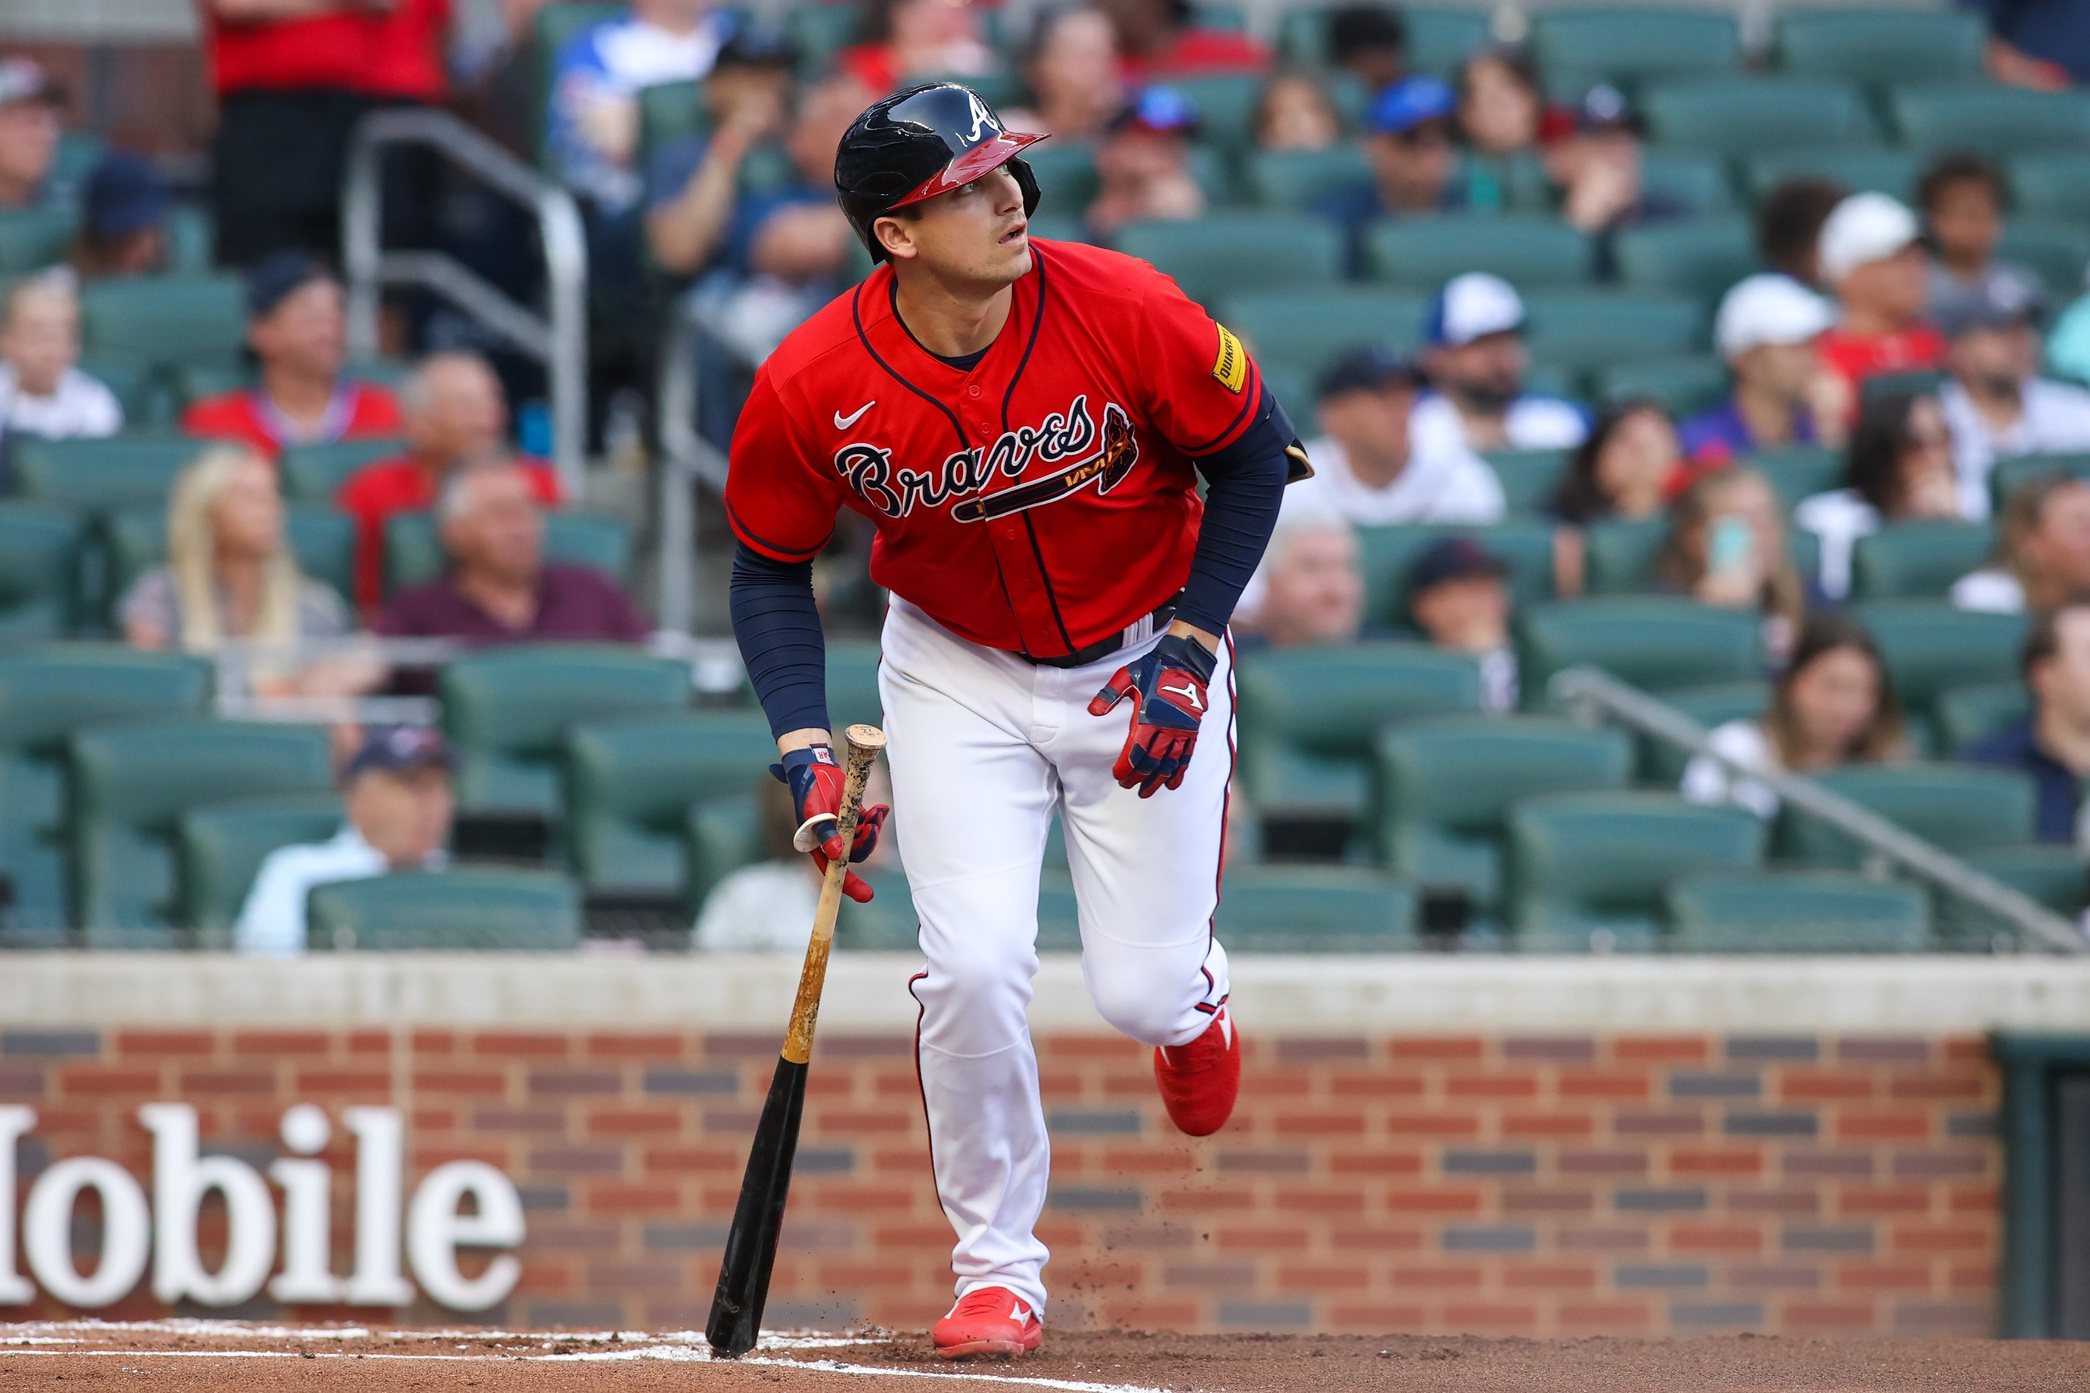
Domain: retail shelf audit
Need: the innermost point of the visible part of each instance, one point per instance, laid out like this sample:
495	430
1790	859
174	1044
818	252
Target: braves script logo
896	491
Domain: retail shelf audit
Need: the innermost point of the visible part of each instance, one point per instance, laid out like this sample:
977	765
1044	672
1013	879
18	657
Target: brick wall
1507	1184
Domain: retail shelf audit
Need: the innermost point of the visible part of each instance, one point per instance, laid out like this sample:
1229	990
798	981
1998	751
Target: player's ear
896	237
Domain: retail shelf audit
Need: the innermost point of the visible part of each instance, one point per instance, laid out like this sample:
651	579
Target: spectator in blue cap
1408	141
1143	164
1475	359
396	791
1457	598
123	224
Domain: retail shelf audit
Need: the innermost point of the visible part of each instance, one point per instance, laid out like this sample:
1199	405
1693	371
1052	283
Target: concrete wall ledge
867	992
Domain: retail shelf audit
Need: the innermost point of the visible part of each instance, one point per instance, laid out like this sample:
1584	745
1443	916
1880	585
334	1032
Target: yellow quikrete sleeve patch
1231	366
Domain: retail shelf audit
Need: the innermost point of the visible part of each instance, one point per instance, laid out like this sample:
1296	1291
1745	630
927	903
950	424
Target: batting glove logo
1170	685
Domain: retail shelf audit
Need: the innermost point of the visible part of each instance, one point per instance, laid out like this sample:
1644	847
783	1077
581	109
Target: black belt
1103	648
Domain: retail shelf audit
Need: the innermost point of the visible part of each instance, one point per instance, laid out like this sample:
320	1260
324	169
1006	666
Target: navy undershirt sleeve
778	629
1244	483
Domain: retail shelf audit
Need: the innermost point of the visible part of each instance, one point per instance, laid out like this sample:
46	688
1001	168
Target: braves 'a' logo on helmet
983	122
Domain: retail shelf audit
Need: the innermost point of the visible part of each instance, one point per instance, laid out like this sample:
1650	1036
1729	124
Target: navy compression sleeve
778	629
1244	483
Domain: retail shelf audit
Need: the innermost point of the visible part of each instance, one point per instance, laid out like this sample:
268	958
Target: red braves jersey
1039	502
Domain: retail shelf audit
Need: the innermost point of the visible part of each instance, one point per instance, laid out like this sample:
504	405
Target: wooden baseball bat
758	1219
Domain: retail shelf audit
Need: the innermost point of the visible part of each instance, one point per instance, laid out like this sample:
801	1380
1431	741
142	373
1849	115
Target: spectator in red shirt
293	78
1159	41
499	587
455	414
1870	256
297	331
915	39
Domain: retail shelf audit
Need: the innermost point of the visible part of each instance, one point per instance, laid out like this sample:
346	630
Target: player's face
975	234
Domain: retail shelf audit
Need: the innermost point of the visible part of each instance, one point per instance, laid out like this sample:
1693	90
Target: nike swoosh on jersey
845	422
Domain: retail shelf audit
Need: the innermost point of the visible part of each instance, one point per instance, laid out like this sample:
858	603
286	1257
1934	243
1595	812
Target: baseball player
1025	423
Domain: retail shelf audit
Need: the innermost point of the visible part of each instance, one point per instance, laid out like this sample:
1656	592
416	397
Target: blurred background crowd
1601	320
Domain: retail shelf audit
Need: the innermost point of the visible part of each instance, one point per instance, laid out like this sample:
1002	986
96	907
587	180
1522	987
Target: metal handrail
686	460
1582	688
559	339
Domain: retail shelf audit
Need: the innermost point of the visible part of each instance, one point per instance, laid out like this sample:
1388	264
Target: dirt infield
185	1355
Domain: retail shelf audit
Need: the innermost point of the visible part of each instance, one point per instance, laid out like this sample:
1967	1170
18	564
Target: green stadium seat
315	473
1917	560
192	239
1213	172
2052	184
1795	472
2010	475
2057	250
45	695
33	238
888	924
165	319
1590	329
1661	763
324	542
1684	384
1422	253
1882	45
509	711
1619	555
1859	168
129	785
414	547
1745	115
107	473
1446	785
852	684
2052	874
1794	912
1297	180
630	784
1529	478
1439	39
1957	807
999	87
721	835
1698	259
147	404
1589	870
1310	329
1386	554
1989	118
1066	176
553	27
1966	714
1626	43
1929	646
670	111
1059	915
1225	108
1648	641
1315	909
1224	254
1692	181
469	909
1052	227
219	849
39	564
1308	715
821	31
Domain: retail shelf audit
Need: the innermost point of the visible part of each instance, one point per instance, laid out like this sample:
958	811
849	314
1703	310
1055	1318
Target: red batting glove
816	784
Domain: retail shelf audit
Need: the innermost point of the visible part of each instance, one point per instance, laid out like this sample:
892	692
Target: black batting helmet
917	144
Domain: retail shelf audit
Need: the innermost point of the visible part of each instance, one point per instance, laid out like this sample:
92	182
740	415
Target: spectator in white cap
29	130
1765	330
1996	405
1475	359
1870	257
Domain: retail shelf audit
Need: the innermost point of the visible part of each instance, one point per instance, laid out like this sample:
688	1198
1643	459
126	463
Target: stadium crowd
1889	384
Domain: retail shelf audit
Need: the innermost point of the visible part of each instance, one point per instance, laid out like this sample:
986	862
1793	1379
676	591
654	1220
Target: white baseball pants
984	748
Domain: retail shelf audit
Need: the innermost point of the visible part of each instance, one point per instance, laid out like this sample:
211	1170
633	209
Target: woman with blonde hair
230	573
1727	547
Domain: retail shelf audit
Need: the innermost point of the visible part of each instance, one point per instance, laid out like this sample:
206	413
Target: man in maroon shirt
499	588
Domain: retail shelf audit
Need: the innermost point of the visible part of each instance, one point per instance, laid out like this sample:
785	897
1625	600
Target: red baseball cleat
989	1320
1199	1080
